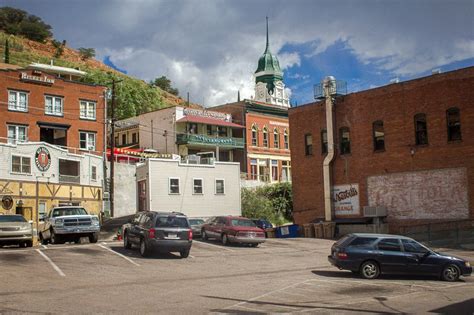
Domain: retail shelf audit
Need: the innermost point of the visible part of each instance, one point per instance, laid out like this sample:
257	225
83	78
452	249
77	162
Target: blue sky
210	48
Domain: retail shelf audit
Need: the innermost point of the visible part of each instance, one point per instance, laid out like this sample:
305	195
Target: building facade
202	189
182	131
407	147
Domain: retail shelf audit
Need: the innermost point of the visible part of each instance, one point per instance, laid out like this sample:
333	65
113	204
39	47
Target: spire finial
268	43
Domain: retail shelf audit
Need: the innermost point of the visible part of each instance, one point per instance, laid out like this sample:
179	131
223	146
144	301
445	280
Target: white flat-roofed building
199	187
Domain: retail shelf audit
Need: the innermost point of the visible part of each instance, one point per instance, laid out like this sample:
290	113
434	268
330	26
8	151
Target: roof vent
436	71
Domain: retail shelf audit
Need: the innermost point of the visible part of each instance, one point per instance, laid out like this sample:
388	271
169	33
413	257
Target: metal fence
453	232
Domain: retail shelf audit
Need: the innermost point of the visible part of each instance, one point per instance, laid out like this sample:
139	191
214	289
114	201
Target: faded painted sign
434	194
346	199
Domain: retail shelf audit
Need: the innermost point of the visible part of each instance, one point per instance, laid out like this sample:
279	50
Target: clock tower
269	86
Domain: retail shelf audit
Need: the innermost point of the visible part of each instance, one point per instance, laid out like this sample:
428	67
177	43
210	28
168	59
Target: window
390	244
192	128
345	140
220	187
134	138
421	130
274	170
253	169
276	138
21	164
453	119
286	140
18	101
94	172
363	241
41	210
411	246
197	185
265	137
308	144
16	134
69	171
324	141
174	185
87	110
222	131
254	136
87	141
286	171
379	135
210	132
124	139
53	105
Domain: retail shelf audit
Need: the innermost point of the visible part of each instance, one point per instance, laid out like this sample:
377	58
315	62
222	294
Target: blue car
262	223
373	254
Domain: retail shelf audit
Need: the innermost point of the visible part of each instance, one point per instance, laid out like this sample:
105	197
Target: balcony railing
210	141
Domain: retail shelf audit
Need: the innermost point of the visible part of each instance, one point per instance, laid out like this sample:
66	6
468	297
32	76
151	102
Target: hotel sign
346	199
36	79
205	113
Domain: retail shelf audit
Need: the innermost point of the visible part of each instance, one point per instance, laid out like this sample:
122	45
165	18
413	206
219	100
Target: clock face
261	93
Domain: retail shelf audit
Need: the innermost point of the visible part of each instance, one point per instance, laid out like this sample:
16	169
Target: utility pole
112	153
165	134
152	142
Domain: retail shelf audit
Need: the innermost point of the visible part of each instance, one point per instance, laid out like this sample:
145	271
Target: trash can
308	230
287	231
318	230
270	232
329	230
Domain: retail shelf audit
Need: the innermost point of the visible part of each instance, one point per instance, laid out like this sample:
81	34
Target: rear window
342	240
363	241
196	221
12	218
172	221
242	222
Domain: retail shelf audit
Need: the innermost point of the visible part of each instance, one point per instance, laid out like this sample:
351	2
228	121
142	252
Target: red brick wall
396	105
70	91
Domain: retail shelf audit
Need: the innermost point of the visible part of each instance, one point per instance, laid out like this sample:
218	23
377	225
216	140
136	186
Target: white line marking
118	254
190	256
221	247
61	273
44	246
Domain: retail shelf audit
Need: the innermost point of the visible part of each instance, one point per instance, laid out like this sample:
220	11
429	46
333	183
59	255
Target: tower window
421	130
378	135
345	140
308	144
324	141
453	119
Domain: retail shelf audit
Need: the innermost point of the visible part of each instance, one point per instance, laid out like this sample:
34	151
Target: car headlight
26	227
95	221
468	264
59	222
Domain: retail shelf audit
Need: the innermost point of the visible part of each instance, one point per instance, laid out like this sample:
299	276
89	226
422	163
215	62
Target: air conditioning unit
374	212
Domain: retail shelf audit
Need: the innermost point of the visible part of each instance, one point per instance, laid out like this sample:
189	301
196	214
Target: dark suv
373	254
160	231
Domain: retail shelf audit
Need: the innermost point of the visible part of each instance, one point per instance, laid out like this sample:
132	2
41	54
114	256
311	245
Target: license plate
172	236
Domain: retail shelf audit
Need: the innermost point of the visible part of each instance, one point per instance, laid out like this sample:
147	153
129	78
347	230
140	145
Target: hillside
135	96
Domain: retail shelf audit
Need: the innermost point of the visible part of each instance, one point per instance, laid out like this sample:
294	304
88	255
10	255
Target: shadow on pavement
460	308
135	254
346	274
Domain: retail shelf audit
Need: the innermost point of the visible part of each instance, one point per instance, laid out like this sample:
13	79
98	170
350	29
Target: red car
232	229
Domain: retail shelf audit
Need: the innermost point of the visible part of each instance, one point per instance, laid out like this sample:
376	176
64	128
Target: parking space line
222	247
55	267
44	246
118	254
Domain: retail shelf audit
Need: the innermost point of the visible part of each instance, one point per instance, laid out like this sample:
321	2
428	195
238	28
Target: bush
18	22
86	53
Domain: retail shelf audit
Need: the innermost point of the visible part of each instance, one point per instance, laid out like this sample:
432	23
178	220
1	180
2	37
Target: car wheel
126	241
450	273
144	251
370	270
225	240
184	253
204	235
93	238
54	238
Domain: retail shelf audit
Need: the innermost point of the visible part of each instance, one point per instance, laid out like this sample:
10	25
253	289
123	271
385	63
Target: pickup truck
69	223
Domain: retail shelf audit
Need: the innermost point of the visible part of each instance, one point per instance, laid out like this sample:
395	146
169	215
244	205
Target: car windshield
242	222
12	218
196	221
171	221
69	211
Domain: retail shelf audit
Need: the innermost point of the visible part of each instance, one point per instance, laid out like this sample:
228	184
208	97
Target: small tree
86	53
165	84
7	51
59	48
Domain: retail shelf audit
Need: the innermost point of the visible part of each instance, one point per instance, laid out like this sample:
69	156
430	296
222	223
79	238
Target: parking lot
280	276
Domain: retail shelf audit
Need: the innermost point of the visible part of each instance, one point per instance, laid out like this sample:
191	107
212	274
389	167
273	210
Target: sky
210	48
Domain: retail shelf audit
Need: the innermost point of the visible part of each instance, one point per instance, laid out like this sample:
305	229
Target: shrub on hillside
18	22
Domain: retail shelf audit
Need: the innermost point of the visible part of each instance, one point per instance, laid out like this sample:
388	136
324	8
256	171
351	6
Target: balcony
224	142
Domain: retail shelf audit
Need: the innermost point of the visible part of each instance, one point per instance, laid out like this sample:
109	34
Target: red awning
209	121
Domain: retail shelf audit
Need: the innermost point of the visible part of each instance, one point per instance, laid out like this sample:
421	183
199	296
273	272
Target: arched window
421	130
286	140
265	137
254	135
324	141
453	120
345	140
378	135
276	138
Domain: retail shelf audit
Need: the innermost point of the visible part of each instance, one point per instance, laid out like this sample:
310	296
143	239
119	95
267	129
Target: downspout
328	89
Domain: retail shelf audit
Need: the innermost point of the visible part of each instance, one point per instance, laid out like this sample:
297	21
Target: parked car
160	231
233	229
69	223
262	223
14	229
196	225
372	254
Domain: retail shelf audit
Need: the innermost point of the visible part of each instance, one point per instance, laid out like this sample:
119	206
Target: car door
45	228
422	261
391	257
134	231
212	228
219	227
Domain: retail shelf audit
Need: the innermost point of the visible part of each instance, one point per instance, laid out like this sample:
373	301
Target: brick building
408	147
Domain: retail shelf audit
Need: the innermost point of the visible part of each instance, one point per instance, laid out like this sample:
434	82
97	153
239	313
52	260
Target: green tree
165	84
18	22
59	48
7	51
86	53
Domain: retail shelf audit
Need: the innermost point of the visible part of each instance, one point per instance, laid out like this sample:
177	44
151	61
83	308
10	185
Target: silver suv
69	224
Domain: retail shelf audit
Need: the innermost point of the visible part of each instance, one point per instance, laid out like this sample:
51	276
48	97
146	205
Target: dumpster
270	232
287	231
318	230
329	230
308	230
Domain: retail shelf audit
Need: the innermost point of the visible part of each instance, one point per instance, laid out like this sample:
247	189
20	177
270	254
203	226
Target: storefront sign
277	123
7	202
346	199
32	78
205	113
42	159
217	141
